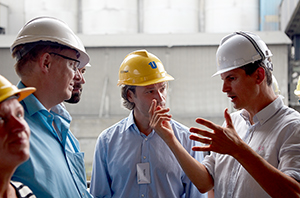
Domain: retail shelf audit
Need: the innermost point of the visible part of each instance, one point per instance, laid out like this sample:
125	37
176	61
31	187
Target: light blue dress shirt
275	136
55	168
122	146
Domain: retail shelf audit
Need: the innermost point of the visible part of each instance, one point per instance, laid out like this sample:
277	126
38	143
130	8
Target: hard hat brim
297	92
23	93
167	77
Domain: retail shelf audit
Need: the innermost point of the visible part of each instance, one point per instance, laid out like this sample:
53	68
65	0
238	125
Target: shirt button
143	195
144	157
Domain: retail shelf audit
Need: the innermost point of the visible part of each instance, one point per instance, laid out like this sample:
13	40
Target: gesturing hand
159	121
221	140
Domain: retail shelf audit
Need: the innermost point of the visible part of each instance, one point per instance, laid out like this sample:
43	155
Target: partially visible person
14	139
49	56
130	159
256	151
79	80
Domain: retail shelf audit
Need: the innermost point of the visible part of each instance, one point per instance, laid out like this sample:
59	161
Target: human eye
149	91
2	120
83	71
231	78
73	65
20	113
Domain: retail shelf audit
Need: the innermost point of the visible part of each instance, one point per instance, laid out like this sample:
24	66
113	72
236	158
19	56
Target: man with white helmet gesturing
49	56
256	151
131	160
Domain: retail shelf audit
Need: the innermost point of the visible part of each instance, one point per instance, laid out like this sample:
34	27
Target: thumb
228	119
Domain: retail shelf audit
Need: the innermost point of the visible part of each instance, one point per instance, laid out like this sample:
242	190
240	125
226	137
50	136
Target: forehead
6	105
233	72
69	52
157	85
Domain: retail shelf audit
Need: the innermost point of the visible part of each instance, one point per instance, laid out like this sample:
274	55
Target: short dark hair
252	67
33	54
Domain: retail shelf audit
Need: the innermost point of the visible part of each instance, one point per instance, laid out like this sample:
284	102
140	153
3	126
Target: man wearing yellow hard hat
130	159
14	138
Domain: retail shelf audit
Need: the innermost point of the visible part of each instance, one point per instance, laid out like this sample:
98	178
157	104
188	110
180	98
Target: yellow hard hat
7	90
297	90
141	68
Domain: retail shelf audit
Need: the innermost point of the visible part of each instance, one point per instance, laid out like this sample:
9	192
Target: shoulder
116	128
179	127
22	190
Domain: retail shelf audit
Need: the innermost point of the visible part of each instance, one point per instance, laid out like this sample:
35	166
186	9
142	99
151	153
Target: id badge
143	173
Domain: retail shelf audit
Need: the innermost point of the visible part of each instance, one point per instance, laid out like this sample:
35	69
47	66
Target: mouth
77	88
232	97
20	140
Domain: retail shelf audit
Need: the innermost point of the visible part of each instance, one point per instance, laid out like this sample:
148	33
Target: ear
130	95
45	62
260	75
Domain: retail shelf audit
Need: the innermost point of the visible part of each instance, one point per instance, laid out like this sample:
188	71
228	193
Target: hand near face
224	140
159	121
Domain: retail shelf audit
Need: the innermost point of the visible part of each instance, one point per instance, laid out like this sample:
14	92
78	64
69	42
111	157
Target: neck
42	94
6	189
262	101
142	124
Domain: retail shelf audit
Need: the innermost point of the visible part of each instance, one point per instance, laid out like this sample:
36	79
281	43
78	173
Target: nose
78	77
17	124
225	87
160	96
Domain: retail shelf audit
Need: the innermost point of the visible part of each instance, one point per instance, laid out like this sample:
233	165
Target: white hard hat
239	49
275	86
49	29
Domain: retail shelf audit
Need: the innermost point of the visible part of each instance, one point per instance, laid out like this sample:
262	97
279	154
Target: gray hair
124	92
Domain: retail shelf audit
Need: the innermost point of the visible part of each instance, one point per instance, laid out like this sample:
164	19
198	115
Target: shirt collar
266	113
61	110
130	121
31	103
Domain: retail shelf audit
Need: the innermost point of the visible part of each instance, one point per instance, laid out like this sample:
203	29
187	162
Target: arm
197	173
100	179
226	141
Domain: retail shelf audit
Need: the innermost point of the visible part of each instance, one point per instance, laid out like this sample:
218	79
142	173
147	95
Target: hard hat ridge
142	68
49	29
239	49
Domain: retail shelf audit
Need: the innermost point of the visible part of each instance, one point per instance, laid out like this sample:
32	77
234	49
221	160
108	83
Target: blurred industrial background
183	34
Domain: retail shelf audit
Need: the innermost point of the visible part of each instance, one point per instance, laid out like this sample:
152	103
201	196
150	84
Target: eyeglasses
74	64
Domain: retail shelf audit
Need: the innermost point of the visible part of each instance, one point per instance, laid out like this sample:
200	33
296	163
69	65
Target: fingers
201	148
152	107
158	115
201	139
207	123
202	132
228	119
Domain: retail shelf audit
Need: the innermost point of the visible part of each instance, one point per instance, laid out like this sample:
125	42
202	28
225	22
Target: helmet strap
267	63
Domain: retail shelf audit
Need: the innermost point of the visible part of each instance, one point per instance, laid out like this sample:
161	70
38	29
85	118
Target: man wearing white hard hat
78	86
49	56
256	151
